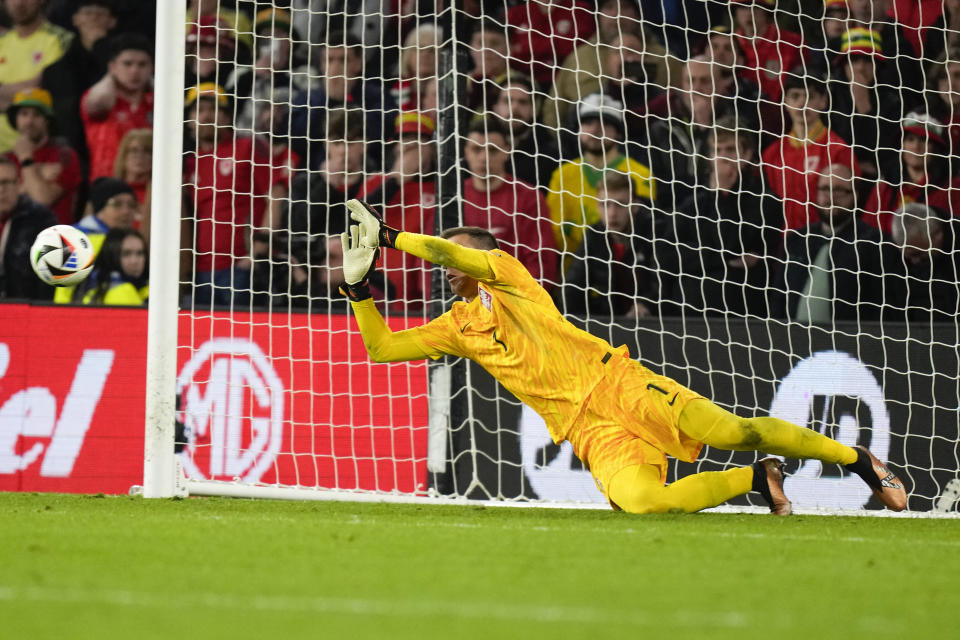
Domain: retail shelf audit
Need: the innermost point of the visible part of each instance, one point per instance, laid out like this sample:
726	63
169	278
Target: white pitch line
406	608
367	606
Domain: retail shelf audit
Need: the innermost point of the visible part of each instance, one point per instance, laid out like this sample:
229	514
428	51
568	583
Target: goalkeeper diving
622	419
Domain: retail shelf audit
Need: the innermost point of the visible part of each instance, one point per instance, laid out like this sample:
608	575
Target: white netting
756	197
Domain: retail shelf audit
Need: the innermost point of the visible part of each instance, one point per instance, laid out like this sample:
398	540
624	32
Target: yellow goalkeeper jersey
515	332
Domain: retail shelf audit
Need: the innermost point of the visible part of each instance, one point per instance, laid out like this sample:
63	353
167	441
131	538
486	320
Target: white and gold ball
62	255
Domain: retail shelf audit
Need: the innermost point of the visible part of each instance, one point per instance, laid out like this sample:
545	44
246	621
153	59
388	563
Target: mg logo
232	409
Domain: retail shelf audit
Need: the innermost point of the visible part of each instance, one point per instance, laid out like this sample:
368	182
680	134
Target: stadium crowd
790	159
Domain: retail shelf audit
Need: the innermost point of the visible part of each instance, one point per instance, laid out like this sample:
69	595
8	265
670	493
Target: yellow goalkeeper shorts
631	418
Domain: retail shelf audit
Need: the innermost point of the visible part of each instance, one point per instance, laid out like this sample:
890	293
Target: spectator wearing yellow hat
863	111
901	36
229	181
276	42
33	44
49	168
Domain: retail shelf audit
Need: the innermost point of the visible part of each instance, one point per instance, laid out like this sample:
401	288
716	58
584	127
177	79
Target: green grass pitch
120	567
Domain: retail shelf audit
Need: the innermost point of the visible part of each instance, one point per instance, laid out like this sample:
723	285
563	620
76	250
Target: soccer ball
62	255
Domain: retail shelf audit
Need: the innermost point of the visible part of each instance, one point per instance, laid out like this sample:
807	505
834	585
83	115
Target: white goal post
678	187
160	468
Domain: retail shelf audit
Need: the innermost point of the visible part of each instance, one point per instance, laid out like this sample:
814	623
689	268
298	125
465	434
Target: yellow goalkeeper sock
637	489
708	423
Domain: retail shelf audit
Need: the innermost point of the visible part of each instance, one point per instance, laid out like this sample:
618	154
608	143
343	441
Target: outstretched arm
382	344
472	262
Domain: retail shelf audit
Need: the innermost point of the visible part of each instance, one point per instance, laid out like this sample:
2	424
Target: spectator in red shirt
794	163
544	32
120	101
49	168
407	196
924	174
227	178
768	51
134	165
513	211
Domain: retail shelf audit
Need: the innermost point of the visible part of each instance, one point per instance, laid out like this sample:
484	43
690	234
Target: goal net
755	197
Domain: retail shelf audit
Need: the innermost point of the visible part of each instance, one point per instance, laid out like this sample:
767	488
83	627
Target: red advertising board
289	399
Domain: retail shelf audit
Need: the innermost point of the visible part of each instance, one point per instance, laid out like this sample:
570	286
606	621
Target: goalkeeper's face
460	283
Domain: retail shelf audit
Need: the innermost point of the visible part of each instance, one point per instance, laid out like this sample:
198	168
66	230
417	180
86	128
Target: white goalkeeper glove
358	263
373	232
